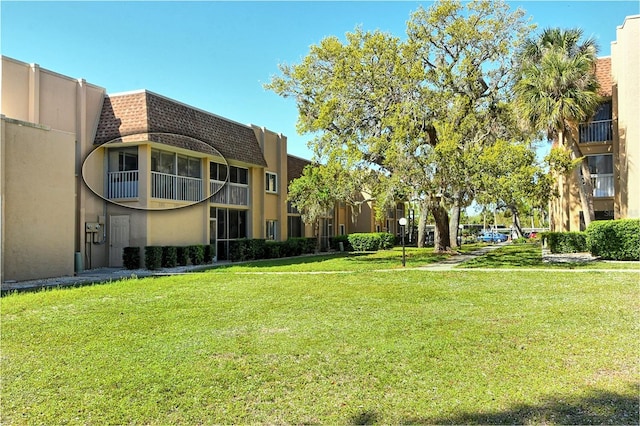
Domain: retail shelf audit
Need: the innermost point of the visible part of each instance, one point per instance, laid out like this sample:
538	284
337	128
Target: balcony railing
596	131
172	187
602	185
122	185
229	193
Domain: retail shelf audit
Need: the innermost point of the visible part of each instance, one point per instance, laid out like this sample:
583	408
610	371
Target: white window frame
271	230
271	182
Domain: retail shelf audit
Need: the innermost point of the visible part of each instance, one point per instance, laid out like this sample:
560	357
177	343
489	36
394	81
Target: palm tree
557	89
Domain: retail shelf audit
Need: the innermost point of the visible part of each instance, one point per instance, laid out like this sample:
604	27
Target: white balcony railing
172	187
602	185
229	193
121	185
596	131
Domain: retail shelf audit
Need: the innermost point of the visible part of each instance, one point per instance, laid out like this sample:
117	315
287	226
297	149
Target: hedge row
371	241
241	250
565	242
614	239
607	239
156	257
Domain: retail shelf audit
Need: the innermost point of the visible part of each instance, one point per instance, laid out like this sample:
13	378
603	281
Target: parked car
492	237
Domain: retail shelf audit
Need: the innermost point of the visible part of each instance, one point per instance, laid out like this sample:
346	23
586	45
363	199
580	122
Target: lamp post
402	222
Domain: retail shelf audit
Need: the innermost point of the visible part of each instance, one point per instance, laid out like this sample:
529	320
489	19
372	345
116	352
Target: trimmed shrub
273	249
365	241
169	257
183	256
131	257
565	242
387	240
153	257
256	249
614	239
209	253
196	254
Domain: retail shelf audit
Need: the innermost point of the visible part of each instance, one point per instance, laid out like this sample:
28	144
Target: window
295	227
599	129
229	184
231	225
175	177
271	183
272	228
122	175
342	231
601	168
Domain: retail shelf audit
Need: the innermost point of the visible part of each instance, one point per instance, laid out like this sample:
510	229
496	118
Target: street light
402	222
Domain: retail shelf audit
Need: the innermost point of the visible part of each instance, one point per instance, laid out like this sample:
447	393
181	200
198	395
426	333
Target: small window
342	231
272	230
271	184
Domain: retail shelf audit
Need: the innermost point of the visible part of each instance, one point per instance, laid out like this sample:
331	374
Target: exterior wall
274	149
63	105
38	198
625	64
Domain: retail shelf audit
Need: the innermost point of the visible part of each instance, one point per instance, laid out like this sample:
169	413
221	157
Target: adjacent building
610	141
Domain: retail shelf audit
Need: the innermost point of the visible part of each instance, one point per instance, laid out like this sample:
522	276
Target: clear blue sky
216	55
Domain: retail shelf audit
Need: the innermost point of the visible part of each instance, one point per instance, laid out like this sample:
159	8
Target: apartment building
610	141
85	173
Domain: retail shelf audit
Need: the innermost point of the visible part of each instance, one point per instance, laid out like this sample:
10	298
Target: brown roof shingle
295	166
603	74
147	112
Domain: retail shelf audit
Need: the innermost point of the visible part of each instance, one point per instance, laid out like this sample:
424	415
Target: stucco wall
625	69
39	198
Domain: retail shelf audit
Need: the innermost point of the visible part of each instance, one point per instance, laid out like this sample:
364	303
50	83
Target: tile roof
146	112
295	165
603	74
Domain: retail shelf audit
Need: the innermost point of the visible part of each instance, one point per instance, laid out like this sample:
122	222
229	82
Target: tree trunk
585	187
454	222
441	243
516	221
422	223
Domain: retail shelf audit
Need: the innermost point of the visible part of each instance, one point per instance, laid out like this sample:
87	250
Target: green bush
365	241
183	256
153	257
169	257
196	254
131	257
387	240
565	242
614	239
209	253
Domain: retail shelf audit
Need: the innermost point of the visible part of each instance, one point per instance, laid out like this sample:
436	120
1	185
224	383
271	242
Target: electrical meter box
92	227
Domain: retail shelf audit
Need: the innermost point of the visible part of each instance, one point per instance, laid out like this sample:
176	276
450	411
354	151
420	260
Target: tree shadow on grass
597	408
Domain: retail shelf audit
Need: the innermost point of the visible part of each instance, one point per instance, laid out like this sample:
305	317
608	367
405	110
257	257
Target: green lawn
530	256
363	347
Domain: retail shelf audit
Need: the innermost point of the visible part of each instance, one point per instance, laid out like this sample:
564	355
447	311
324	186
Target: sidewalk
456	260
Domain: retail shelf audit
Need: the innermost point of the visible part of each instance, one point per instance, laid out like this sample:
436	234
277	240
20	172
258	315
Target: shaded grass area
529	255
403	347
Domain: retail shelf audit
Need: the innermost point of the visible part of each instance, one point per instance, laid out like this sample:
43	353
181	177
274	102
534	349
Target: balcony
122	185
602	185
229	193
596	131
172	187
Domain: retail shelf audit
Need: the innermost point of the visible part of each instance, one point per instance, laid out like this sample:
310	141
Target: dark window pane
222	224
233	175
242	224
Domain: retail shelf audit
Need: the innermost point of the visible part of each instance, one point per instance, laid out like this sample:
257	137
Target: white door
118	238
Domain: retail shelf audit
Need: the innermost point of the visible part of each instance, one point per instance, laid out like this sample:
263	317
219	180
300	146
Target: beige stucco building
611	140
84	173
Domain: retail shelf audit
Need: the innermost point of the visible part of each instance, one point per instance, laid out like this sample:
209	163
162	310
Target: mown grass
349	262
529	255
361	347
